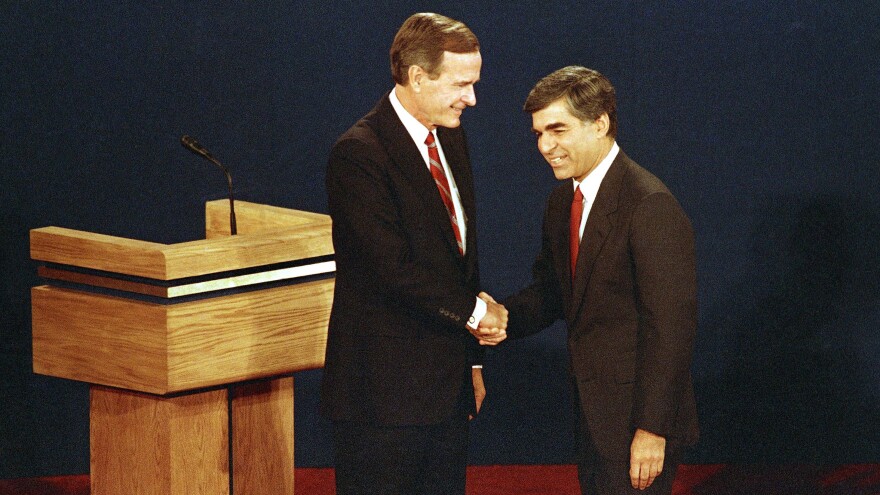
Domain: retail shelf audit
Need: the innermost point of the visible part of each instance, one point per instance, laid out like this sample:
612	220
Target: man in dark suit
617	263
398	382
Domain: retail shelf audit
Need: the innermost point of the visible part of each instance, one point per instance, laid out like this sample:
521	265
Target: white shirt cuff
478	314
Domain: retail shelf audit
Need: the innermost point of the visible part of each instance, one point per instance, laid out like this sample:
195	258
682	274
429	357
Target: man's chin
451	120
560	174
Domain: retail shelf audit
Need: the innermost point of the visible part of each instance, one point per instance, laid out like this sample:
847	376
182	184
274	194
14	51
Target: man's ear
416	75
602	124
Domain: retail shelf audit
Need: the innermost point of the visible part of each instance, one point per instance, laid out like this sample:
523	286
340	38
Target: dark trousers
600	476
379	459
401	460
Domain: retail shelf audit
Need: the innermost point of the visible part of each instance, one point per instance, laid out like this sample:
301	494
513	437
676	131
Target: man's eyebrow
467	81
554	125
550	127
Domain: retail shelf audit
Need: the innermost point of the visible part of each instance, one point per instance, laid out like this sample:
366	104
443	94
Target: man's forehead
459	55
460	65
556	114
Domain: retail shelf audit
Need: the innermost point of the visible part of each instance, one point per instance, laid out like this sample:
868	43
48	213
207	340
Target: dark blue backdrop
760	116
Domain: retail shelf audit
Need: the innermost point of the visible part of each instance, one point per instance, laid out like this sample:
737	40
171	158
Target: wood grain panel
99	339
98	252
245	336
162	349
262	437
148	445
274	235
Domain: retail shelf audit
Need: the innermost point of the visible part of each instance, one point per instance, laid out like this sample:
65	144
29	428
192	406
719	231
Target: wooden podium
189	348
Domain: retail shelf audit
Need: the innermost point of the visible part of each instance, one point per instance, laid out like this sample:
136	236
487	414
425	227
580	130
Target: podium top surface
266	235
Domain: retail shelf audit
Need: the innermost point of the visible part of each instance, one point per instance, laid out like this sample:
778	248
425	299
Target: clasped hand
493	327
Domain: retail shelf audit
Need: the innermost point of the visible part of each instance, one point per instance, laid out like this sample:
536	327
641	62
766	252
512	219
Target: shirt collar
590	185
415	128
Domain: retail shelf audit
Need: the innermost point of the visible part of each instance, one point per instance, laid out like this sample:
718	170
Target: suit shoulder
363	131
649	195
359	144
640	181
366	131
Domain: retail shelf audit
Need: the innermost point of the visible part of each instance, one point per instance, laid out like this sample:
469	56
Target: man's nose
546	144
469	97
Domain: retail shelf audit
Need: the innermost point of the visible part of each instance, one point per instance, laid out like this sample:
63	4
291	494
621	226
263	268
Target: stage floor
716	479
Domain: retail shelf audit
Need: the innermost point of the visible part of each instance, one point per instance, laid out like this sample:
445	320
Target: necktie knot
430	140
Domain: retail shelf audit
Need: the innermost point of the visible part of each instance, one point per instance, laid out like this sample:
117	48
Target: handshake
493	327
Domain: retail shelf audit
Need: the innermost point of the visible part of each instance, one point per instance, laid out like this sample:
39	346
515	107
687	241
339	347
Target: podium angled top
266	235
164	319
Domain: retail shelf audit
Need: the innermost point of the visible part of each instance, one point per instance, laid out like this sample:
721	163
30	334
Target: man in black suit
398	382
617	262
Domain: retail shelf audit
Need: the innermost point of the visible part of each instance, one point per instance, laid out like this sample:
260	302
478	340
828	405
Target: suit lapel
600	222
407	156
560	216
456	158
455	151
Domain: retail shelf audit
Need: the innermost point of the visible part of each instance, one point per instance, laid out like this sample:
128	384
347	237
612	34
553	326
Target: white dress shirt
418	132
590	185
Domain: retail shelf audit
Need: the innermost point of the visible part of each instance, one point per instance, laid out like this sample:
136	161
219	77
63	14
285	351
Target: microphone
194	146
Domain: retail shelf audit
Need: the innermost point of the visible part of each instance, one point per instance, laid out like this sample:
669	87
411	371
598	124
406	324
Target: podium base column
262	436
148	444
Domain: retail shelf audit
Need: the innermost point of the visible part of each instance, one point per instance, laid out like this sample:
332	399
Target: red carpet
856	479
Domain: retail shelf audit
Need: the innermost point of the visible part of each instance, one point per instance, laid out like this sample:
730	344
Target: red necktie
443	187
574	239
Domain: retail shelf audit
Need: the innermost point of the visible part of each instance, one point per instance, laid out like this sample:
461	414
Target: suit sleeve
662	246
540	304
366	211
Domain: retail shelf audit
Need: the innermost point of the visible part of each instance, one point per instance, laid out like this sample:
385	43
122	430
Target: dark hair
587	93
423	38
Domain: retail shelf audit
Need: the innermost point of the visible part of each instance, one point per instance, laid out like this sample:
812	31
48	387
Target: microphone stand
193	145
